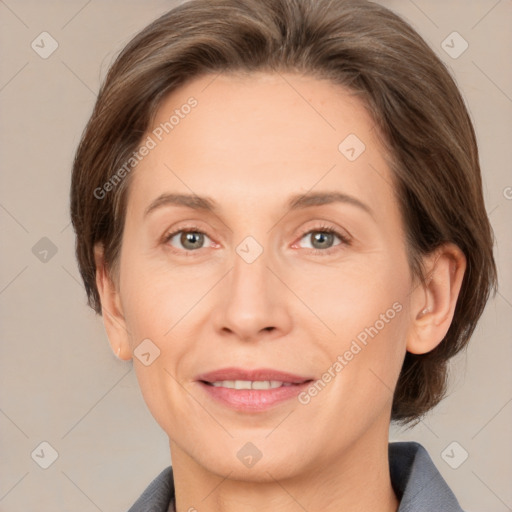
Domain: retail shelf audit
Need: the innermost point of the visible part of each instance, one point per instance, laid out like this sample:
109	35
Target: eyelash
344	240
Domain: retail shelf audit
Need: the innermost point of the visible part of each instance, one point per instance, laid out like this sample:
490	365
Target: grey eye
320	239
189	240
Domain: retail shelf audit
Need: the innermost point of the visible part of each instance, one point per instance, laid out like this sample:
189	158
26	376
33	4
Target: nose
254	301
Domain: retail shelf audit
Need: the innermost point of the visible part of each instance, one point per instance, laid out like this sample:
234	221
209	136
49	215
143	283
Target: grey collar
416	481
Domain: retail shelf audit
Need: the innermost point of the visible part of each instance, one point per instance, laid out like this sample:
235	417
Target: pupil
191	237
321	236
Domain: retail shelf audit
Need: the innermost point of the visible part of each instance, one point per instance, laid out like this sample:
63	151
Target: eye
322	239
190	239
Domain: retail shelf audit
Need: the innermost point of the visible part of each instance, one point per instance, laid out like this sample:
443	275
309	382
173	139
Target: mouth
251	390
249	384
233	374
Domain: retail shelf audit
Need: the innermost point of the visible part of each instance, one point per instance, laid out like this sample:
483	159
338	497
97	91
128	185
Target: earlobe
113	317
434	302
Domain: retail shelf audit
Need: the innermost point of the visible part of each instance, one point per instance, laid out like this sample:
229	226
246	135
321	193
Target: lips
251	391
262	374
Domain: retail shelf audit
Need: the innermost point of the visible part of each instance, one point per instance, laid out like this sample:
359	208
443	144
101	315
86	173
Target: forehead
225	135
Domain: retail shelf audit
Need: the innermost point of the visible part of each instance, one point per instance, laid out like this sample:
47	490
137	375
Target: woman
279	214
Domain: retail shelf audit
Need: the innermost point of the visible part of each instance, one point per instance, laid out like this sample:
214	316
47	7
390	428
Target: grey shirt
416	481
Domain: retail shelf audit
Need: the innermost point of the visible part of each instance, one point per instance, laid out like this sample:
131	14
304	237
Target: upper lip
252	375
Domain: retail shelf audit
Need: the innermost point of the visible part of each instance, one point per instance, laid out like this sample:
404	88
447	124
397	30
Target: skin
248	145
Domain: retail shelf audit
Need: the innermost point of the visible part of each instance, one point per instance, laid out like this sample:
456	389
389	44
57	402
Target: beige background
60	382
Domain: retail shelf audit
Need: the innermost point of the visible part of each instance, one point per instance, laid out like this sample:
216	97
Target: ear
113	318
434	302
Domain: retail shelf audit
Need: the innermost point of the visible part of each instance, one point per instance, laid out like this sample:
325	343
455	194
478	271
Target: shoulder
157	496
417	482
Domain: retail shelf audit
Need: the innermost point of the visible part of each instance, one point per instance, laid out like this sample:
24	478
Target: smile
250	384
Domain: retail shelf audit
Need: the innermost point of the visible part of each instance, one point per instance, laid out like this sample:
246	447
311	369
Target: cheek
352	296
360	371
365	307
153	299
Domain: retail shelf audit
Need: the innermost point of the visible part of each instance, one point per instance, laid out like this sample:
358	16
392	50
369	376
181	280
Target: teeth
250	384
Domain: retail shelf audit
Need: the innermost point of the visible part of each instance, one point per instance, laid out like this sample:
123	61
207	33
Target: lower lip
253	400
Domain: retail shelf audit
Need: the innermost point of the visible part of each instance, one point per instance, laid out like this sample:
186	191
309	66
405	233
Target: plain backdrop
60	383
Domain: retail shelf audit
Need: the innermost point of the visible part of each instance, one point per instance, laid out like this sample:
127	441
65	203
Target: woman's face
261	282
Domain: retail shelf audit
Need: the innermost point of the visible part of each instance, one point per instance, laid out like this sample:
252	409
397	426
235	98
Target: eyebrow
296	202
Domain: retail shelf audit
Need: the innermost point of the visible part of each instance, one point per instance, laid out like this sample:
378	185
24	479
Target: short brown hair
359	45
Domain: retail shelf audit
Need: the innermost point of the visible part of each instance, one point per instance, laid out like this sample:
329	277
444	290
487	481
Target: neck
354	480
